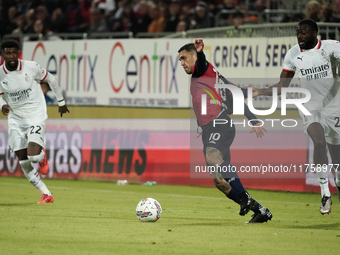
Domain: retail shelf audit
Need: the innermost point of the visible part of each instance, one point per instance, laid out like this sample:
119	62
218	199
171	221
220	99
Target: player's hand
259	130
5	109
63	109
199	45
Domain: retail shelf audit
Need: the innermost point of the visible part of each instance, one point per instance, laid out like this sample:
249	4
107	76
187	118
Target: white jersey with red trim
315	68
21	90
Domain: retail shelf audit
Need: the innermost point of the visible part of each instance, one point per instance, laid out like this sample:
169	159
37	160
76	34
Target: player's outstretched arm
259	130
285	79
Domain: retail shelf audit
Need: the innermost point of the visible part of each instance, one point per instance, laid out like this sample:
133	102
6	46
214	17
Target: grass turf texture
99	218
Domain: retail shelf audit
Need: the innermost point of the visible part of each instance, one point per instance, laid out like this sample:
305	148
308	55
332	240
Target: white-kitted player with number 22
23	101
316	62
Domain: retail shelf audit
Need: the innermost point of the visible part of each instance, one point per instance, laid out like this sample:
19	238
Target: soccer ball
148	209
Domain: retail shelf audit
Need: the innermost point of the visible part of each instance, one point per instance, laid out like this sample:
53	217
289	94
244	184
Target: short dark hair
310	23
189	47
9	43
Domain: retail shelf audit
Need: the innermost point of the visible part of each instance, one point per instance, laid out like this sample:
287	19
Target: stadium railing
279	15
326	30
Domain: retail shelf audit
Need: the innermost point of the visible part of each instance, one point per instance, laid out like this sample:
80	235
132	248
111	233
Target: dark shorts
220	137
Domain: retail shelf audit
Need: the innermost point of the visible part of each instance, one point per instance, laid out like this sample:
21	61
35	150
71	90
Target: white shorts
329	118
19	137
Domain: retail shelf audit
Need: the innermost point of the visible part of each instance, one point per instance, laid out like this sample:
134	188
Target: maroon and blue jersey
203	80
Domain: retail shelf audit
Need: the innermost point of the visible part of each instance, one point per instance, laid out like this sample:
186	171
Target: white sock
323	181
37	158
33	176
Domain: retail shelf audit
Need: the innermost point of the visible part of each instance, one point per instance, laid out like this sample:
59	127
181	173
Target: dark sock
236	184
238	192
233	196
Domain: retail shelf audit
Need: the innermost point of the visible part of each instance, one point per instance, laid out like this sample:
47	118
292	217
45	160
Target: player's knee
34	158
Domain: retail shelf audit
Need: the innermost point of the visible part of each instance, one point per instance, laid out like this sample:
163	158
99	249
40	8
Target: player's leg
215	138
214	157
230	184
261	214
217	141
18	144
35	150
334	151
316	132
33	176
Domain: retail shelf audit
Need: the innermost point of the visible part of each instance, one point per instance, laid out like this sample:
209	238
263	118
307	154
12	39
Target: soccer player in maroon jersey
217	139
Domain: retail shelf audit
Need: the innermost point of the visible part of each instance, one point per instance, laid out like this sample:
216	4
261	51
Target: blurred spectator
238	19
157	24
142	17
228	5
29	21
203	17
173	18
2	21
125	23
97	23
186	9
41	13
73	16
108	6
164	12
20	22
186	14
336	11
312	10
326	12
24	6
120	9
42	32
46	89
182	26
85	6
58	21
214	5
11	24
124	18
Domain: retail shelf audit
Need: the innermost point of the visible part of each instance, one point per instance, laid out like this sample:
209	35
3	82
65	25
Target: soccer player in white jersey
23	101
314	61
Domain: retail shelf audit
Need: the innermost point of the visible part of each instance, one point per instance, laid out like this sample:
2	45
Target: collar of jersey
317	46
18	67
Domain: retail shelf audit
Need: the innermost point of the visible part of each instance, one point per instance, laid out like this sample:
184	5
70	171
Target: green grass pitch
89	217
